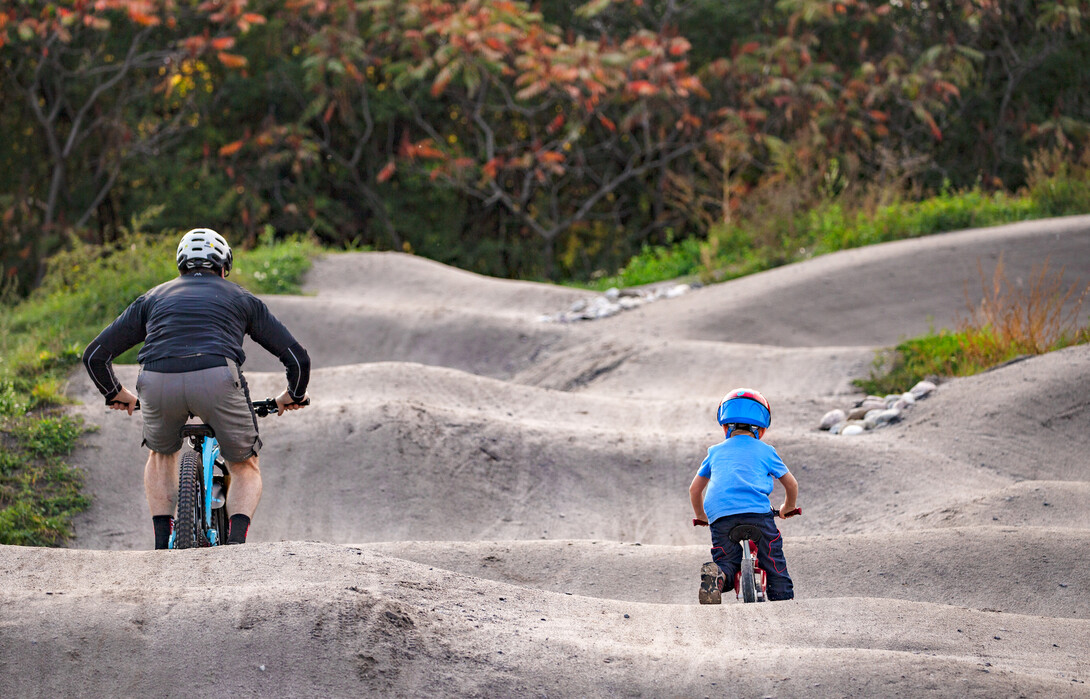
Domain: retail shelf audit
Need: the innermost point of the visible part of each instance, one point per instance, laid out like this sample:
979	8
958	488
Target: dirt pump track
482	503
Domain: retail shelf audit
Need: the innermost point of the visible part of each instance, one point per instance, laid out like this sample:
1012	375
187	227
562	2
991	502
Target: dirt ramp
397	279
869	296
1029	420
1050	504
310	619
373	307
960	567
641	368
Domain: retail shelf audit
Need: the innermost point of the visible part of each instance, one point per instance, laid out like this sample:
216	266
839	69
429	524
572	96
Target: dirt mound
302	619
502	509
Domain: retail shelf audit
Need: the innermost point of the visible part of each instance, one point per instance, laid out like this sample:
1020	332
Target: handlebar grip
793	513
117	402
699	523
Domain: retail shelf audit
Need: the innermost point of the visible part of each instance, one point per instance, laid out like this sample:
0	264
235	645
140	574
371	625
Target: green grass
778	233
41	340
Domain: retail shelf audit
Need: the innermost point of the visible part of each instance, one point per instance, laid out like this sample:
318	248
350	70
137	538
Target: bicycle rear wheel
189	524
749	587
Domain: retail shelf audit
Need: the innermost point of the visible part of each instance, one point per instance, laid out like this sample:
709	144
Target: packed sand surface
483	503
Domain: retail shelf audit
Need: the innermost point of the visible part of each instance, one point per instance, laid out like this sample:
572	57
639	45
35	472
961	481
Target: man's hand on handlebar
284	402
124	400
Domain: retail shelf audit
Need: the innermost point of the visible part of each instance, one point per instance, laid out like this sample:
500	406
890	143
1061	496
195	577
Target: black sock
236	533
164	525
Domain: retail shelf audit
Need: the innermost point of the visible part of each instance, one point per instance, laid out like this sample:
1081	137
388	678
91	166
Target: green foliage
656	263
48	436
39	493
275	266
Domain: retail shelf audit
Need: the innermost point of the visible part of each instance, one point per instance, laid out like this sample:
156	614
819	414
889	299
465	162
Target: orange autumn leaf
231	148
492	167
550	156
231	60
387	172
222	43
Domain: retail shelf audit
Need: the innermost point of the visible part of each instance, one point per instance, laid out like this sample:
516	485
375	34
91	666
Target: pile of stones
874	412
614	300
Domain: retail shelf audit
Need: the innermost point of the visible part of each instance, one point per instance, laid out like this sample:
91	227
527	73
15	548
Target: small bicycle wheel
749	588
189	524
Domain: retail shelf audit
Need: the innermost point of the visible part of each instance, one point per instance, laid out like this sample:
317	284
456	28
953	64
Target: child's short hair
735	426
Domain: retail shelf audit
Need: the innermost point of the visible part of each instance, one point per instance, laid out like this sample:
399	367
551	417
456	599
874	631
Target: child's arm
696	496
791	491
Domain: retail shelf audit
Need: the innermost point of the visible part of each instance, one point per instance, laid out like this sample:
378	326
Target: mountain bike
751	581
203	482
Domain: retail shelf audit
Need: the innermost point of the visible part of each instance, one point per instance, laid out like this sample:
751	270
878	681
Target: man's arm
270	333
696	496
125	332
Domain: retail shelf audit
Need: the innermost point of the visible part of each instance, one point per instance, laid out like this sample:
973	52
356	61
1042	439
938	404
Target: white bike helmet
203	247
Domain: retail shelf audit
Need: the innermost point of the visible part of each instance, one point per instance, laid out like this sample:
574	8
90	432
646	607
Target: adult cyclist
192	328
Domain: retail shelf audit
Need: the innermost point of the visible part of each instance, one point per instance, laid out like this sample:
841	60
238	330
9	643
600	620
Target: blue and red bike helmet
745	406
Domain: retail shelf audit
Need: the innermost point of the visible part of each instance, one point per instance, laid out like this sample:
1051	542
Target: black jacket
189	320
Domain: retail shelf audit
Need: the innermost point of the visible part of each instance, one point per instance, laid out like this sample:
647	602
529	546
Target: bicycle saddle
741	532
197	431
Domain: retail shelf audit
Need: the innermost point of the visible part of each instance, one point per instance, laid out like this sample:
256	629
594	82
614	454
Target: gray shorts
217	395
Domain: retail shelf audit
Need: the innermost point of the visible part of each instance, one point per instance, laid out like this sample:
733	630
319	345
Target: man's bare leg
245	490
161	490
161	483
243	496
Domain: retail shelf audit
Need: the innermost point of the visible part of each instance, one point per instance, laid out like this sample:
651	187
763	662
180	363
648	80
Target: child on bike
737	475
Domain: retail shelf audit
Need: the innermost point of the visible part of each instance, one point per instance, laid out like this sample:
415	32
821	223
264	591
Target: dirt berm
481	503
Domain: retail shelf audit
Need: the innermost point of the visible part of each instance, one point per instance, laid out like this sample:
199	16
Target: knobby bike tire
749	586
189	524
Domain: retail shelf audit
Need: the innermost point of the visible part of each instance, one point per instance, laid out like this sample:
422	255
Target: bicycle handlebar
261	407
264	407
793	513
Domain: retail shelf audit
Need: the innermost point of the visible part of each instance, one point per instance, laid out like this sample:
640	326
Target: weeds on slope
785	224
1010	321
41	339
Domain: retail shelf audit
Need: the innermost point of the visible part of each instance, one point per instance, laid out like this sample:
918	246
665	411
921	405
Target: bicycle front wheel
189	524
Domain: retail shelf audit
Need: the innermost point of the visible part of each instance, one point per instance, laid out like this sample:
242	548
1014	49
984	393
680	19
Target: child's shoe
711	584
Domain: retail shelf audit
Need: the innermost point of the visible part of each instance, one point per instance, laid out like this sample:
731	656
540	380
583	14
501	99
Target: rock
858	412
835	429
852	429
675	291
612	302
831	418
887	417
922	389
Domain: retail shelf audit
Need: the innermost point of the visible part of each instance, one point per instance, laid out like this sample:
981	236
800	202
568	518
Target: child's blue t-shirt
740	472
